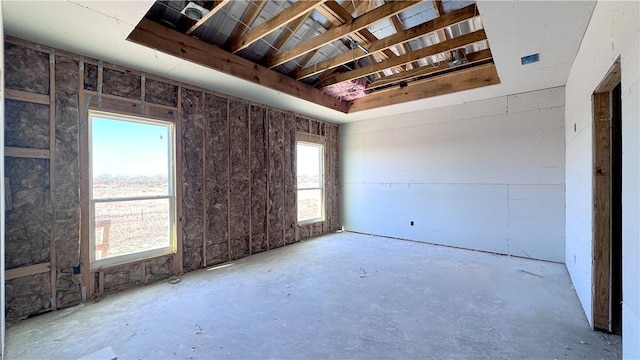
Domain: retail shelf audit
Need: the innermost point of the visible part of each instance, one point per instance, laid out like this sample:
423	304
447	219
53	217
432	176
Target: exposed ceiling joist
387	42
437	6
396	59
286	35
305	59
471	78
343	16
250	15
439	10
375	15
455	43
161	38
219	5
332	11
363	6
298	9
472	58
404	47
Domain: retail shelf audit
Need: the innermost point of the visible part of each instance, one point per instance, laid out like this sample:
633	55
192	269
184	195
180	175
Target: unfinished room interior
320	179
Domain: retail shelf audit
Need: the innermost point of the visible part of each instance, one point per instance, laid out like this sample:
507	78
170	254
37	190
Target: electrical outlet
411	223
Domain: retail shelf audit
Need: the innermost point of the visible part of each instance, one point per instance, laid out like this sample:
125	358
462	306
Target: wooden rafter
161	38
470	78
298	9
363	6
437	6
340	15
404	47
475	57
305	59
439	10
380	13
435	49
286	35
393	40
250	15
219	5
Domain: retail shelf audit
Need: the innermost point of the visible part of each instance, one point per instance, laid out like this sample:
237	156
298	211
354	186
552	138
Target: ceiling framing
393	52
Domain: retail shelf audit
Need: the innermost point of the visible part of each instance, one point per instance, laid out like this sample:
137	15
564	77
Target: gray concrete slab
339	296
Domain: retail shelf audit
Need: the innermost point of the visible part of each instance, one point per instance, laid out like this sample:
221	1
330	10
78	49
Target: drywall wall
236	175
612	33
486	175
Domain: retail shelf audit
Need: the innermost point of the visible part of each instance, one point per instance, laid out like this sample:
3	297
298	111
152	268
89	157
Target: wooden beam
87	281
471	78
363	6
611	80
475	57
439	10
207	16
11	274
286	35
26	153
249	16
403	48
53	179
176	263
602	210
331	10
361	22
389	41
455	43
342	16
11	94
174	43
339	15
305	59
298	9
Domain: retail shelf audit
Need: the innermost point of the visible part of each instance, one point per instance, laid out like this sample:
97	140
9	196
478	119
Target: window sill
311	221
128	259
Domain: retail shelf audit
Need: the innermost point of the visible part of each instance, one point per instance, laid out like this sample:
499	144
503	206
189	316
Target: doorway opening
607	204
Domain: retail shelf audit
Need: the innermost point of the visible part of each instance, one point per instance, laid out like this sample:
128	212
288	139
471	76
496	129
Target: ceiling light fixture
194	11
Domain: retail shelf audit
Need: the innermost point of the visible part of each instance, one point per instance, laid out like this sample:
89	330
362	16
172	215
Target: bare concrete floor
338	296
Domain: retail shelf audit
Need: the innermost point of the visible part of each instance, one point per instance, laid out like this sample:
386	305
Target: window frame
318	141
97	264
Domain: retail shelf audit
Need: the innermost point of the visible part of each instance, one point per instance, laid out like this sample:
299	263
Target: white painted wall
613	32
486	175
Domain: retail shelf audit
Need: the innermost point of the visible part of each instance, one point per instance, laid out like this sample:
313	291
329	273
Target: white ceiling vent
194	11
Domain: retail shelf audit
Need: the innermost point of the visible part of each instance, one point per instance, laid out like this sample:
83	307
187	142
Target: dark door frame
607	212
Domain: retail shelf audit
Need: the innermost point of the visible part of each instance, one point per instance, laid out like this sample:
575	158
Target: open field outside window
310	181
132	192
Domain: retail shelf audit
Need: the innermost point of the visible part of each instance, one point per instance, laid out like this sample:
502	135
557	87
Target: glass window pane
129	158
127	227
309	166
309	204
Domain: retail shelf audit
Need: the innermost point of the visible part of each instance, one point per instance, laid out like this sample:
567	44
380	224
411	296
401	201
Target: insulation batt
347	90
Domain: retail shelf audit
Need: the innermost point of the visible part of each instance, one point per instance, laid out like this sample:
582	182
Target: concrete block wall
613	33
486	175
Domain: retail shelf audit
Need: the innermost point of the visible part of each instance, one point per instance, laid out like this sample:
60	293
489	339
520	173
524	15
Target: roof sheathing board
450	5
418	14
221	25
